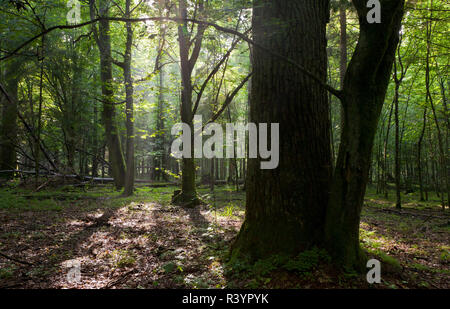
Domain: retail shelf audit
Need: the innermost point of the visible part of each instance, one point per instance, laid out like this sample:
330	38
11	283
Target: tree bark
188	195
8	133
385	152
443	177
129	90
363	97
398	203
286	206
109	111
160	158
419	154
342	43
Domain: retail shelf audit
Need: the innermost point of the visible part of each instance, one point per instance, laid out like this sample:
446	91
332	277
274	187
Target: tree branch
333	91
229	99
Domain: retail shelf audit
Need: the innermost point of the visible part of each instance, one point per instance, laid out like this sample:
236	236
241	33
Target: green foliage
7	272
123	258
172	267
305	262
15	202
390	262
445	255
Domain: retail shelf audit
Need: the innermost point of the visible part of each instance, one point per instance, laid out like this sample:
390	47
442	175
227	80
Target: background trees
67	109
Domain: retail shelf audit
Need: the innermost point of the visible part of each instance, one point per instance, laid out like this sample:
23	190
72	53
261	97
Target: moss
307	260
391	264
123	258
301	264
12	201
445	255
189	200
7	272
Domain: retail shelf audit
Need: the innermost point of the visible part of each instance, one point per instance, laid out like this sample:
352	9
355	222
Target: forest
240	144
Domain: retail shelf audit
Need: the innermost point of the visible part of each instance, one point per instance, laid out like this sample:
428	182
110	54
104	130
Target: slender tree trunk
160	161
385	153
116	157
398	203
342	43
8	133
95	148
363	97
188	195
443	178
447	158
419	154
129	90
39	117
212	174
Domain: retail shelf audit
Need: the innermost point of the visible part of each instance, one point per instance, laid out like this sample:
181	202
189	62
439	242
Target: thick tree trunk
286	206
363	97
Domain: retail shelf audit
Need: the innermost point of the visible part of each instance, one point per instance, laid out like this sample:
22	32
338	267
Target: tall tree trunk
109	111
39	116
129	176
342	43
398	203
363	97
160	158
385	154
447	158
286	206
419	154
188	195
95	147
212	177
443	178
8	133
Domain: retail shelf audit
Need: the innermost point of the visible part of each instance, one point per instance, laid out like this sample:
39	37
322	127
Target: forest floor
144	242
